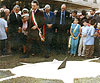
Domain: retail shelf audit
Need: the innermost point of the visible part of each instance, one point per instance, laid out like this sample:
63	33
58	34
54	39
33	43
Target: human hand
98	35
85	35
73	37
49	25
67	31
34	27
56	30
19	30
76	37
24	29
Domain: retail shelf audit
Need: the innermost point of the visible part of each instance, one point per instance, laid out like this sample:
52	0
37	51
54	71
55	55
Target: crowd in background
40	30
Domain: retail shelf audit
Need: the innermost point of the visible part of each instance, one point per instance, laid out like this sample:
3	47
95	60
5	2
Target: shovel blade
63	64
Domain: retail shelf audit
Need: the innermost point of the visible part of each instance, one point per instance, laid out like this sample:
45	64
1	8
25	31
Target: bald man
62	28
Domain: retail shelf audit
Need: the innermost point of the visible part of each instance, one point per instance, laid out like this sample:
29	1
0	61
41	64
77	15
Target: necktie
16	15
63	19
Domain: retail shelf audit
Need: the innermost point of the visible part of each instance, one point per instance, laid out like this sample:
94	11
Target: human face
47	10
92	12
24	19
34	6
63	8
89	23
55	12
98	26
16	10
7	13
76	21
74	14
85	23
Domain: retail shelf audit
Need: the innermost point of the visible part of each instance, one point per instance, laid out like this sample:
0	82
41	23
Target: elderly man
49	22
7	12
63	22
15	24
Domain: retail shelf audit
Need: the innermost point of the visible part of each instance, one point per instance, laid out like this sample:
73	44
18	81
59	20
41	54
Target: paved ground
48	70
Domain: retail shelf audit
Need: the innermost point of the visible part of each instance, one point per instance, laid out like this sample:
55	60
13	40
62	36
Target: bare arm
71	32
6	29
79	33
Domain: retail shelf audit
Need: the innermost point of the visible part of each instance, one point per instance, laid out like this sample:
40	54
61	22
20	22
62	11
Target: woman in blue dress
75	33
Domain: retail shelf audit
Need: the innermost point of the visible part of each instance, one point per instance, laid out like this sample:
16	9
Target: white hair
6	10
25	9
16	6
47	6
63	5
2	9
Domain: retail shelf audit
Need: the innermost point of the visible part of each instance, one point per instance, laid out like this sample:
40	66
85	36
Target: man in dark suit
93	15
63	22
33	38
15	24
49	23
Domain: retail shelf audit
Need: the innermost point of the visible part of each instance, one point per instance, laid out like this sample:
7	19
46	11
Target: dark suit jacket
49	20
34	34
81	21
97	18
68	21
14	23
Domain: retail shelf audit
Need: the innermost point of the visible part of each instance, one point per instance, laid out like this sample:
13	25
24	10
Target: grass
9	62
31	80
14	60
4	74
87	80
98	61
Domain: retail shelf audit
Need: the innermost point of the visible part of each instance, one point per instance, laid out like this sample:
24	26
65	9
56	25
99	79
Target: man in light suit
63	22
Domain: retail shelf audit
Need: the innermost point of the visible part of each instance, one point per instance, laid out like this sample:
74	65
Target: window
69	0
94	1
85	0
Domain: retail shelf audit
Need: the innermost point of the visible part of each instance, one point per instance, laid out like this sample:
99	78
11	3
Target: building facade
55	4
81	4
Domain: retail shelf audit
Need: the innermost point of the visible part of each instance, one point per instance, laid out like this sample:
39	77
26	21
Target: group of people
41	30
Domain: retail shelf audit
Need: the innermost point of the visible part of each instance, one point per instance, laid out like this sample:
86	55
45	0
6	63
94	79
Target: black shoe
25	56
89	57
46	56
63	53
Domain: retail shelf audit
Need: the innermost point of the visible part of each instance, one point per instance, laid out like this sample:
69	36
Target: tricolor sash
42	37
